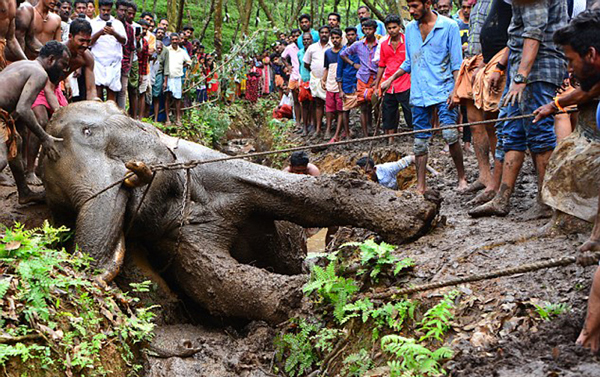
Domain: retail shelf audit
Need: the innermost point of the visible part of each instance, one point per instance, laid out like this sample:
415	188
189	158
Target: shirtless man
80	36
26	79
8	41
37	25
299	165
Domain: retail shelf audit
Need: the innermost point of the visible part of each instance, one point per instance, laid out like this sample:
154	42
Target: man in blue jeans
536	69
433	58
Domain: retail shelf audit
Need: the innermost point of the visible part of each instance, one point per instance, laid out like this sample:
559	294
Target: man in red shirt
392	55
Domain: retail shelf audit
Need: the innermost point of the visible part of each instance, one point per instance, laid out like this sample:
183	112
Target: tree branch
374	9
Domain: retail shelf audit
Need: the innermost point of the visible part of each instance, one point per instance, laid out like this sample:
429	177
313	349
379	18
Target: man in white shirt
108	38
314	62
65	16
174	77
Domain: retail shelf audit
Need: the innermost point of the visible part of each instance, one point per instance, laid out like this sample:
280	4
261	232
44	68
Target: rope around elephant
194	163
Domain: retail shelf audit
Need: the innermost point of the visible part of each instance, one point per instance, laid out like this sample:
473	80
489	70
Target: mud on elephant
229	253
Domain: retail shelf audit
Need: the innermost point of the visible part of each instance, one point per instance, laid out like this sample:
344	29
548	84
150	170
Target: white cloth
316	89
315	57
144	83
107	50
176	60
108	75
286	99
65	30
74	85
174	86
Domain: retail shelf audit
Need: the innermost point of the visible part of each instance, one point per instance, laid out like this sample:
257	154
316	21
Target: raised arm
35	83
13	45
90	79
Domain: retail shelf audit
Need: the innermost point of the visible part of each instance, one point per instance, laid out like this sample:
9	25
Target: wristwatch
520	79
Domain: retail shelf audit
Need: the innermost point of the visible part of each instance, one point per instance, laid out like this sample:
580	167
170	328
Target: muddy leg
364	109
500	205
593	244
33	146
167	108
457	157
481	144
320	104
590	334
421	163
4	180
209	275
328	119
18	170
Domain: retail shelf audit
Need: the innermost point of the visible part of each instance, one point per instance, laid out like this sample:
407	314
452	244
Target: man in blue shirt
363	13
305	24
346	79
433	58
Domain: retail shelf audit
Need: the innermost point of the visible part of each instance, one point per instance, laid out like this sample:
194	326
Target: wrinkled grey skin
231	217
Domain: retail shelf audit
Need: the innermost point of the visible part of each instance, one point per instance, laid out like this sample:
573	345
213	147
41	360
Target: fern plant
357	364
436	320
377	258
331	288
413	358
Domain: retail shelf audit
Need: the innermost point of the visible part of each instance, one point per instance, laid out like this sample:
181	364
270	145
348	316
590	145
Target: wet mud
496	331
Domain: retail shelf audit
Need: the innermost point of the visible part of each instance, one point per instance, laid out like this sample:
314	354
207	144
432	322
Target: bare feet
590	245
473	188
462	185
497	207
589	340
33	179
538	211
32	197
5	180
168	123
483	197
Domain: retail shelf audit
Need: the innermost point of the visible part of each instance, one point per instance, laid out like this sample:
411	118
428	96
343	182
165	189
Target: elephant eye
87	131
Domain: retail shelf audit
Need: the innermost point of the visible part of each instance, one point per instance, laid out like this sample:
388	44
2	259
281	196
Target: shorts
389	110
134	76
316	89
41	99
523	134
157	88
422	121
279	81
174	86
463	90
364	92
349	101
333	102
144	83
293	84
305	94
484	98
8	134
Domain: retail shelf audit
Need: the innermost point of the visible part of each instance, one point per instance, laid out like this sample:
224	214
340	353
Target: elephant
218	228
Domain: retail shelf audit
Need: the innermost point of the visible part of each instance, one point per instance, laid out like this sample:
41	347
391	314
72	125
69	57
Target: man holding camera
108	38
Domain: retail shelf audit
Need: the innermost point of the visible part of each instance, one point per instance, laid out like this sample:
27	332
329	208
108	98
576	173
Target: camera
109	23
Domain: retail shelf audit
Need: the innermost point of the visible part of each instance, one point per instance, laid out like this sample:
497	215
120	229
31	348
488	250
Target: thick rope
586	260
194	163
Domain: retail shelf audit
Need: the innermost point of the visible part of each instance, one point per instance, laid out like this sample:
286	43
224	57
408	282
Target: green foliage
547	311
387	316
378	258
436	320
357	364
55	299
302	349
206	124
413	359
331	288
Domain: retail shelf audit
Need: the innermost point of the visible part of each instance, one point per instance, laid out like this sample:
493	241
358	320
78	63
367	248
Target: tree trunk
263	5
374	9
144	6
180	15
403	9
218	44
154	7
296	13
207	20
172	14
336	3
247	10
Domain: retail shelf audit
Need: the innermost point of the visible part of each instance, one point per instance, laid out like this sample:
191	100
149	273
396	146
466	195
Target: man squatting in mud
581	44
27	78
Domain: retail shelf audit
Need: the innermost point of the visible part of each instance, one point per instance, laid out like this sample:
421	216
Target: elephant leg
212	277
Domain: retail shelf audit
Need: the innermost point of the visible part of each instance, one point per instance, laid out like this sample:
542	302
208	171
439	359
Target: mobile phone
109	23
138	31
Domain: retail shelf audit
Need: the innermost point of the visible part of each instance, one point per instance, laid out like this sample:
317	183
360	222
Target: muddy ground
496	331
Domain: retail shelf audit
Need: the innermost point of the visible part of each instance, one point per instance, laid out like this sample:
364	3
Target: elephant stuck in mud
226	248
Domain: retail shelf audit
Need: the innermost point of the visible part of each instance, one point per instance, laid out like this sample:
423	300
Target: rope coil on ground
194	163
584	260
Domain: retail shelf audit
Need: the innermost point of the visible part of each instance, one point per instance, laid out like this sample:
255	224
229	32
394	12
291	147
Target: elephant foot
214	279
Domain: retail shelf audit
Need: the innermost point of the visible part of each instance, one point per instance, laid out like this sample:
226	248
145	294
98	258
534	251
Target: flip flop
333	140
